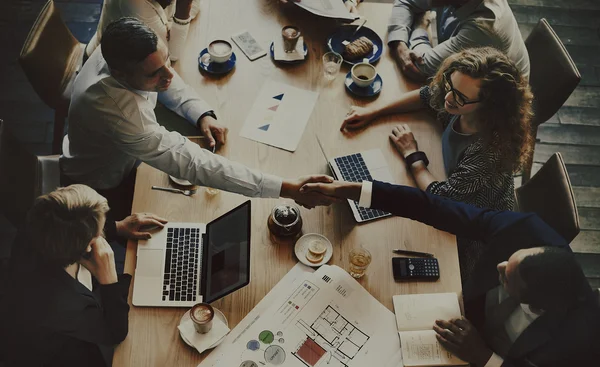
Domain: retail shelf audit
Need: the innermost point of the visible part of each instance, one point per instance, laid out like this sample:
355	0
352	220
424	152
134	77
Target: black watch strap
416	156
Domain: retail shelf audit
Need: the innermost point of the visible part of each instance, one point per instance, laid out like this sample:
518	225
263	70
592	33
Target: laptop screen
227	264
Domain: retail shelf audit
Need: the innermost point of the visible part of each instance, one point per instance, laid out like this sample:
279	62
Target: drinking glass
359	259
332	61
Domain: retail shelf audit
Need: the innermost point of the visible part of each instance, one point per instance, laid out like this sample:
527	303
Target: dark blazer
570	338
48	318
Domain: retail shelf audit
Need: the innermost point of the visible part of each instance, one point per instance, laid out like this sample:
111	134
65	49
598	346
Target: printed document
415	316
324	318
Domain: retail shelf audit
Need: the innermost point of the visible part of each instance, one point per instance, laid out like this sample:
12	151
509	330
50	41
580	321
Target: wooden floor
574	131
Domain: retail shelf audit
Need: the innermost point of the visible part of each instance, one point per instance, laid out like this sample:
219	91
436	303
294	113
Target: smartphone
248	44
415	268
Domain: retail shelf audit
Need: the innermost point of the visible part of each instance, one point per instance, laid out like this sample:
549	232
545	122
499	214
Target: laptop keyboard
354	169
182	259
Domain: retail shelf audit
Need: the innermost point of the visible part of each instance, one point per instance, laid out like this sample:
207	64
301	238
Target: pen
415	253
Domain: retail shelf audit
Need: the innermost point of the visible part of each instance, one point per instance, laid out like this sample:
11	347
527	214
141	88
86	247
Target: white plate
301	249
180	181
218	313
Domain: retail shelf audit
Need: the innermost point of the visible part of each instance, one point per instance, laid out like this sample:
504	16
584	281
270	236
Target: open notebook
415	316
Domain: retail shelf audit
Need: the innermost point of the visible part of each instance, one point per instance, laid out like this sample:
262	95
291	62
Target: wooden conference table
153	338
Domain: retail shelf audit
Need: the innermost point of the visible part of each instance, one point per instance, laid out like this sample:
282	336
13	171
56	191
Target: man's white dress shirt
111	127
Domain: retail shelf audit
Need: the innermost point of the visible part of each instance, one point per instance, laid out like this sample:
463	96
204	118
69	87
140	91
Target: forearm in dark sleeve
461	219
116	308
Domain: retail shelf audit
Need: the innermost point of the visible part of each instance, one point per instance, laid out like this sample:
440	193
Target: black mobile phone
415	268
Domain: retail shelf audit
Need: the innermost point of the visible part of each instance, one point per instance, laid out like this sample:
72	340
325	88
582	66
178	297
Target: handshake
319	190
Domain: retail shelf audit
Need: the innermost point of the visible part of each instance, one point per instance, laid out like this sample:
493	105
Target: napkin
280	55
202	341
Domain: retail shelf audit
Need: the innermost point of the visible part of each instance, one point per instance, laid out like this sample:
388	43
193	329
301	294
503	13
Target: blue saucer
370	91
213	67
272	48
344	33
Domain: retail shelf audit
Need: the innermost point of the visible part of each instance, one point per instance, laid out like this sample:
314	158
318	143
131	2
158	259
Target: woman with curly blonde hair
484	103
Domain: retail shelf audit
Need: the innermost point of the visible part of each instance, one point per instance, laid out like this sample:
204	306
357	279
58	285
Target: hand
424	19
358	117
101	262
461	338
210	127
352	6
133	226
407	60
337	189
291	189
404	140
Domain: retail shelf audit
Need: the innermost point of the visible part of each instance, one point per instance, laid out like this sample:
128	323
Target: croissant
358	48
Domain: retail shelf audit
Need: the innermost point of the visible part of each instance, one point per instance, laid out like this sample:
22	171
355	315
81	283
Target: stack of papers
328	8
321	319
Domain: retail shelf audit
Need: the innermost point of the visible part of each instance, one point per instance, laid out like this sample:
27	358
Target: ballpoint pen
414	253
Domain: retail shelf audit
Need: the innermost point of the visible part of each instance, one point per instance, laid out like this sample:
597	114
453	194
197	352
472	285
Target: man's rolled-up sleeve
183	100
402	18
470	35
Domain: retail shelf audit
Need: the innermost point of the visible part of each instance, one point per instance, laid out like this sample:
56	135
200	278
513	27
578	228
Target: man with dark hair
112	126
542	314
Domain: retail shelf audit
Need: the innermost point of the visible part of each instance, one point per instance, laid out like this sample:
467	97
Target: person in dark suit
539	308
66	305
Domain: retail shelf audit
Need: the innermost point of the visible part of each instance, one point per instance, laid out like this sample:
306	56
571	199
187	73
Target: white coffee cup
363	74
220	51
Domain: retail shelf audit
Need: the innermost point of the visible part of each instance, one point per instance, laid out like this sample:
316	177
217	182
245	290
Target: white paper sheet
419	311
279	115
298	271
328	8
323	319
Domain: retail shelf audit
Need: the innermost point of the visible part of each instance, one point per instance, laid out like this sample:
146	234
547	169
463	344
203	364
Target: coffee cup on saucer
220	51
290	36
363	74
202	315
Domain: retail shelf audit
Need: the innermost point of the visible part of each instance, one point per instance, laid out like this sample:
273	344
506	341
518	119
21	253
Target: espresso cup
290	36
220	51
363	74
202	315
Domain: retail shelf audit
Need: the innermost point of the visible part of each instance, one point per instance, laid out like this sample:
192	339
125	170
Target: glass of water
359	259
332	61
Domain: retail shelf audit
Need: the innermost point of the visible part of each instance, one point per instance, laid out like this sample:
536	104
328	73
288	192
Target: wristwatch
415	157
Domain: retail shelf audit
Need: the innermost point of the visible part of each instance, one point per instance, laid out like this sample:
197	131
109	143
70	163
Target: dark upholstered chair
549	195
51	57
23	177
553	76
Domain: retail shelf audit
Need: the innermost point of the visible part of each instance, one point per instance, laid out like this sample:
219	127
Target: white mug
220	51
363	74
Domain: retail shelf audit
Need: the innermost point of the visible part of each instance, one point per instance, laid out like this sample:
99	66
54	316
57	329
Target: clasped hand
308	198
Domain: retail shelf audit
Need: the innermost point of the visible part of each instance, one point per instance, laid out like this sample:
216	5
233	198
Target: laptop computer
187	263
368	165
